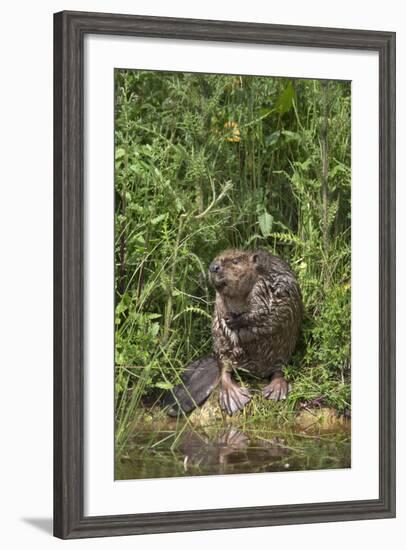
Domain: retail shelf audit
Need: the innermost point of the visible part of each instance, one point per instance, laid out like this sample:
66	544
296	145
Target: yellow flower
234	132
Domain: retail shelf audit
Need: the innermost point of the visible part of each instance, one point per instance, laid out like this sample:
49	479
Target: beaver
256	324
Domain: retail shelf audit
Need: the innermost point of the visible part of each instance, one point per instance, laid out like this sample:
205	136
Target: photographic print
224	274
232	274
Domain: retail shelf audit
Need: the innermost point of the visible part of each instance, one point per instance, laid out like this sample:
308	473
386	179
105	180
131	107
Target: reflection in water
228	449
170	453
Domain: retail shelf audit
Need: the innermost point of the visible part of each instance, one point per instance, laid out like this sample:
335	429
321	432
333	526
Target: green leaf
159	219
338	168
120	152
305	165
265	221
285	101
273	138
164	385
152	316
121	307
179	205
289	136
155	329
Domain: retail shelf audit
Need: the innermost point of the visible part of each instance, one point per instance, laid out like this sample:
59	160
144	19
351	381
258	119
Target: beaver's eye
236	261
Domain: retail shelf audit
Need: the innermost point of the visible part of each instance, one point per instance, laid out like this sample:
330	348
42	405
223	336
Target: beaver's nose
214	267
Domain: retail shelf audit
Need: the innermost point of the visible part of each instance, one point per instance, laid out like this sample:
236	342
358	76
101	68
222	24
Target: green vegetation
208	162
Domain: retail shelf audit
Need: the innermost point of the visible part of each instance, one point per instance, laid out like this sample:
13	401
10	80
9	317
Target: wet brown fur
257	316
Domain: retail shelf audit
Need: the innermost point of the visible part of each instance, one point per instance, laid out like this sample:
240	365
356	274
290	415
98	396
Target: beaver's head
233	273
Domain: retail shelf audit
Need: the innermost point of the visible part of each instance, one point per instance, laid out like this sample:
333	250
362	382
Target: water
181	451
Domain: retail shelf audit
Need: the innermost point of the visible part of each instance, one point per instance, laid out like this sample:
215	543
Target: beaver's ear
259	257
261	260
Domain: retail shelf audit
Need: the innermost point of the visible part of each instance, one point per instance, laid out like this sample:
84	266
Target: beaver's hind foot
233	398
277	389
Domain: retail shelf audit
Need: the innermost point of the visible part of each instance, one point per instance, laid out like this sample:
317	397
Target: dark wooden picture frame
69	31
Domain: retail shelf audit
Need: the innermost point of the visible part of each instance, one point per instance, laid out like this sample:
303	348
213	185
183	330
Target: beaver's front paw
238	355
235	321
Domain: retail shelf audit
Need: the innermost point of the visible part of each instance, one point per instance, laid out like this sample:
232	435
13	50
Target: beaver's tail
197	382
